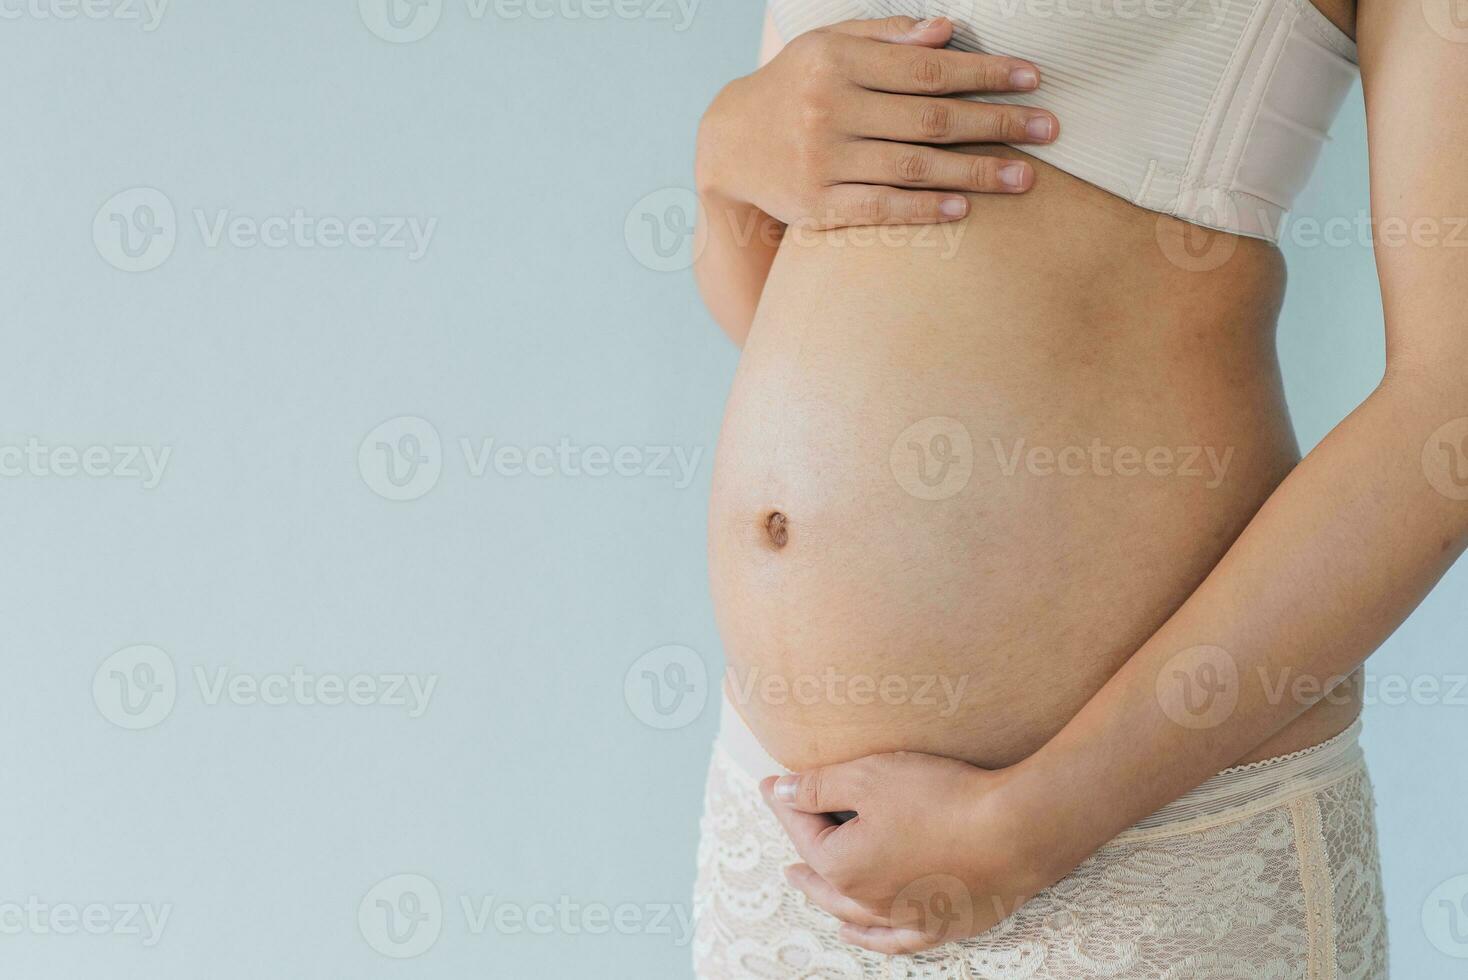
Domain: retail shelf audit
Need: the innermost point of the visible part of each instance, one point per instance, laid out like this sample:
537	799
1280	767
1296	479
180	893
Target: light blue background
531	319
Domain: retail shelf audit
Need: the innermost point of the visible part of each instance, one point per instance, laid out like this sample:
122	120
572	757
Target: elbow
736	333
733	317
731	304
1436	381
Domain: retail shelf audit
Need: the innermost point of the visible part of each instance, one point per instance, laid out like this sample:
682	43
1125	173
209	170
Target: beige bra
1214	111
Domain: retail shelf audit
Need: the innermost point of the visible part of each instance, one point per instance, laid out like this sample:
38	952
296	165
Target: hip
1268	870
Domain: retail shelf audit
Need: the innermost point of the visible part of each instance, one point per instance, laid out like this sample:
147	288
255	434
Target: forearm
737	247
736	242
1337	558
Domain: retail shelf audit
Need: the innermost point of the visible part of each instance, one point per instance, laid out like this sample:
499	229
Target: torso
871	600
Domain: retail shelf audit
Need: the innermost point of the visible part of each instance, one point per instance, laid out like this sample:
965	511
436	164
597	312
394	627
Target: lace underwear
1267	871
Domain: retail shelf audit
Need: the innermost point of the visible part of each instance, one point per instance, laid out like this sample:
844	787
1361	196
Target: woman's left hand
939	850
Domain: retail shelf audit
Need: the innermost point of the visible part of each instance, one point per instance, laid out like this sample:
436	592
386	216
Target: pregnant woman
1044	645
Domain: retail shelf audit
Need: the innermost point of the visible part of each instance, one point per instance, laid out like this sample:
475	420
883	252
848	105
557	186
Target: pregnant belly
958	486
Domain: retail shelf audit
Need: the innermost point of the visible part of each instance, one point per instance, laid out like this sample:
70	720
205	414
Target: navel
777	529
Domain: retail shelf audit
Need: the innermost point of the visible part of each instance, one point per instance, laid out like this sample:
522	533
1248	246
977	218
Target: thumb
829	789
935	32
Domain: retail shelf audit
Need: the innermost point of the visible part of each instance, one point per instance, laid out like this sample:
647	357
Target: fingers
934	33
856	205
882	939
807	831
909	120
911	70
911	165
827	789
824	896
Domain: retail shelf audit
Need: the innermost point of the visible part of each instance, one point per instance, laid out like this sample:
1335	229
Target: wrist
714	171
1053	826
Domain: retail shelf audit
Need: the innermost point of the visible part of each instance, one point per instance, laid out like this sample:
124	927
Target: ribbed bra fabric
1213	111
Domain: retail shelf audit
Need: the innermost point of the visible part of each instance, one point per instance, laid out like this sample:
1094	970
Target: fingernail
923	25
785	789
1040	128
1012	175
952	207
1023	78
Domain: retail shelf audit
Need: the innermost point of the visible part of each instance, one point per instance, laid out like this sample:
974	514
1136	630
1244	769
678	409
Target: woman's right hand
835	130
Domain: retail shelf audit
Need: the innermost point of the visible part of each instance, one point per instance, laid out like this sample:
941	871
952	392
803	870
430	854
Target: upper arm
771	44
1414	69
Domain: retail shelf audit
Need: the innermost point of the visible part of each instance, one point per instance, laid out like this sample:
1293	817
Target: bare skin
1062	320
1065	315
832	133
